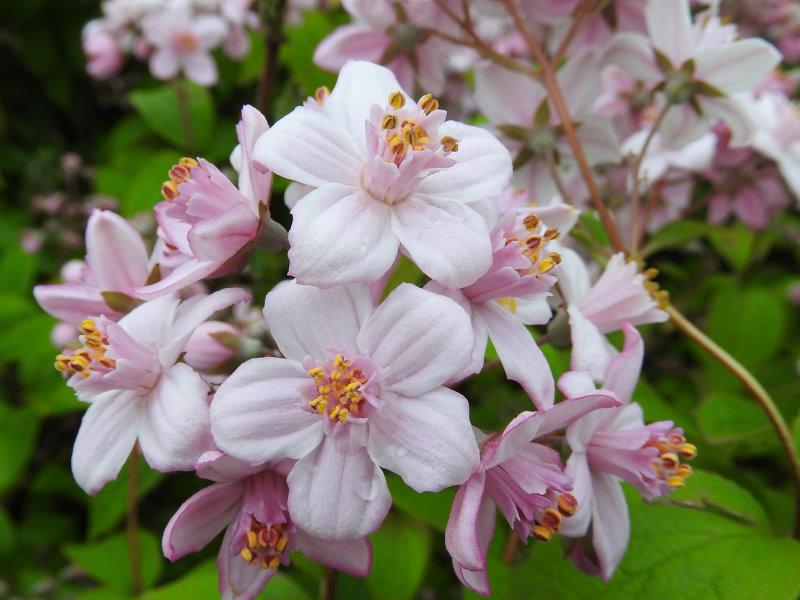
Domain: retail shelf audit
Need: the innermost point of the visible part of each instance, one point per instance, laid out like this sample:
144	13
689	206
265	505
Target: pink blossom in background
522	478
613	445
103	54
360	389
129	374
388	173
249	504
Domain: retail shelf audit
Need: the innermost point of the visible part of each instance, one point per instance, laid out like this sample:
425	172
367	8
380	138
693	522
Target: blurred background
69	144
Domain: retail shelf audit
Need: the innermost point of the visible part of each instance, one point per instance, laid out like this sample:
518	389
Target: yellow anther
549	263
282	543
188	162
675	481
79	363
335	412
567	504
669	460
650	273
508	303
531	222
684	471
353	385
252	539
338	360
388	121
321	94
247	554
449	143
169	190
315	372
688	451
675	441
274	563
313	403
428	103
397	100
551	234
551	519
396	144
178	173
321	407
88	326
343	415
541	533
532	242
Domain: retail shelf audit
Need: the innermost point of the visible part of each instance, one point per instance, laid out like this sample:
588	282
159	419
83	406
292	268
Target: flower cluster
173	36
295	417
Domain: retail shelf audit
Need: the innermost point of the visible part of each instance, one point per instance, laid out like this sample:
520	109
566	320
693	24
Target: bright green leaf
399	541
431	508
724	417
298	50
674	235
17	270
18	432
182	113
734	243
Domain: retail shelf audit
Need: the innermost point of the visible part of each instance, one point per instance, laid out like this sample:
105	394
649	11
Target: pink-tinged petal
517	435
353	41
258	414
340	235
420	338
255	181
182	276
610	522
578	468
738	66
238	579
201	518
105	439
590	350
461	535
219	467
736	115
426	439
519	354
149	323
309	321
191	313
623	370
482	170
115	252
360	86
174	430
72	302
478	580
576	383
307	146
220	237
579	76
294	193
338	468
534	310
164	64
351	556
448	241
210	30
633	54
570	410
506	97
200	68
670	27
573	276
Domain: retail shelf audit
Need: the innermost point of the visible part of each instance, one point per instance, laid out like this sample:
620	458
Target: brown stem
132	525
327	589
510	551
581	11
756	390
272	16
550	81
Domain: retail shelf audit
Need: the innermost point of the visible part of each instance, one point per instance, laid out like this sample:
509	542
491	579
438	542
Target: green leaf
136	181
182	113
109	506
201	583
399	541
405	272
108	561
725	417
706	490
433	509
734	243
18	432
297	51
17	270
674	235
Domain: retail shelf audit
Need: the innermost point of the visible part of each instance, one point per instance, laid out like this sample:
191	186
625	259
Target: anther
541	533
252	539
188	162
397	100
88	326
247	554
675	441
321	94
281	546
388	121
551	519
274	563
428	103
567	504
684	471
531	222
551	234
449	143
688	451
178	174
169	190
669	461
675	481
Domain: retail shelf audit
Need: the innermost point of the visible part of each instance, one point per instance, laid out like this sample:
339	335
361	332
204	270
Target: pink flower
388	173
524	479
249	503
103	54
512	294
778	136
182	43
130	374
386	33
205	221
621	294
211	346
360	388
700	62
611	445
116	261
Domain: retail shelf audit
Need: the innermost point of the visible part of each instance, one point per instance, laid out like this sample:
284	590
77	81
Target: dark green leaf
433	509
674	235
725	417
399	541
18	432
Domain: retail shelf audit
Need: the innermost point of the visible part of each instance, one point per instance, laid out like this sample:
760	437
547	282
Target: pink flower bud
205	351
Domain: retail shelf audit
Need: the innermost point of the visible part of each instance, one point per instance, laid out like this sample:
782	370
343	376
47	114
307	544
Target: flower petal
448	241
610	523
309	321
174	430
421	339
188	272
309	147
72	302
105	439
632	52
670	27
149	323
340	235
590	350
351	556
578	468
426	439
201	518
256	414
572	409
238	579
521	357
738	66
352	41
495	85
736	115
623	370
338	468
461	535
115	252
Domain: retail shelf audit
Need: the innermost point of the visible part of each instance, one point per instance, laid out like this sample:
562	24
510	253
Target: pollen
667	466
531	222
508	303
567	504
397	100
549	262
339	389
449	144
88	359
388	121
265	544
321	94
169	190
428	103
541	533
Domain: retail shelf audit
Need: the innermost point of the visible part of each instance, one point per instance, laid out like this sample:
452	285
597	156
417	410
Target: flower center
177	175
548	521
265	544
667	466
339	389
91	357
533	245
187	41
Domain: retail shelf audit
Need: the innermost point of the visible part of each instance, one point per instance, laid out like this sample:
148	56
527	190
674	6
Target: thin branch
510	551
272	16
758	392
583	10
132	525
327	590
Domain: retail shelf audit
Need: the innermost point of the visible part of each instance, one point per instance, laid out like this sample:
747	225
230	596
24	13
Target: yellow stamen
428	103
252	539
274	563
388	121
688	451
531	222
397	100
321	94
567	504
247	554
282	543
675	481
188	162
543	534
449	143
169	190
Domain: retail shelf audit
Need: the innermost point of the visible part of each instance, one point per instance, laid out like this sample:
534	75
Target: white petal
578	468
736	116
738	66
670	27
506	97
610	523
115	252
351	556
149	323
